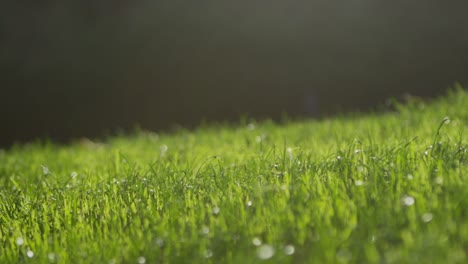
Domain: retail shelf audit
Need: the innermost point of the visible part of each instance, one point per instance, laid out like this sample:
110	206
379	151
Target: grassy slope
338	190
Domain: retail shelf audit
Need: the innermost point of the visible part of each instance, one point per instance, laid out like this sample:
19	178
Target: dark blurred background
83	68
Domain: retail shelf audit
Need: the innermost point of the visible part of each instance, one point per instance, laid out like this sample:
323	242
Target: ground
388	187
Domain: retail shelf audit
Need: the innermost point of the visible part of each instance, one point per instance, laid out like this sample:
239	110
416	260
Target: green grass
364	188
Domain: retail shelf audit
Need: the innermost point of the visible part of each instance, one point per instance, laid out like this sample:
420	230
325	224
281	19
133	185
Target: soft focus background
85	68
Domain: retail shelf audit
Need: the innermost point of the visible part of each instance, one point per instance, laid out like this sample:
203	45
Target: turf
361	188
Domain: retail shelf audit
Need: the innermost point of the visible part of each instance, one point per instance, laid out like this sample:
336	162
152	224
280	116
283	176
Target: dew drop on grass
427	217
208	253
249	203
265	251
159	242
29	253
205	230
289	250
408	200
45	170
439	180
74	174
52	257
19	241
359	183
163	149
216	210
410	177
256	241
290	153
141	260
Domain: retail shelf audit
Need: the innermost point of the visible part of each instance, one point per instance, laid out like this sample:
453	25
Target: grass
365	188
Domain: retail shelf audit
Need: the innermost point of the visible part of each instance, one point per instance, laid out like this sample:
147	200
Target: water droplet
205	230
408	200
290	153
163	149
216	210
256	241
208	253
439	180
265	251
20	241
360	168
29	253
159	242
52	257
249	203
338	157
359	183
45	170
410	177
141	260
357	151
289	250
74	174
427	217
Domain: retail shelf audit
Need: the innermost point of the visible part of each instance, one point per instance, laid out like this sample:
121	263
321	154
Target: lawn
387	187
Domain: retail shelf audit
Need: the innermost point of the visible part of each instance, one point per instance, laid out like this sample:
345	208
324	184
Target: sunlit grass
369	188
